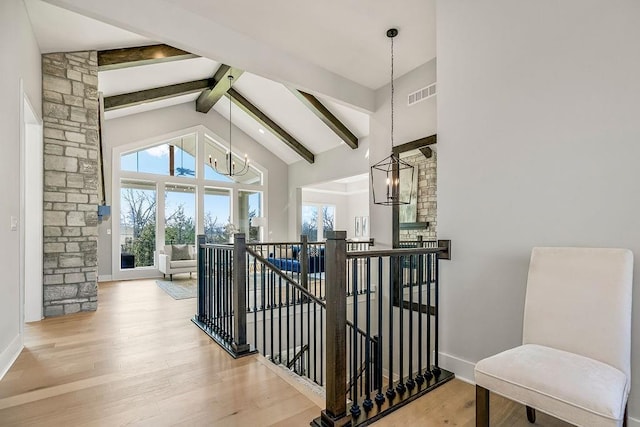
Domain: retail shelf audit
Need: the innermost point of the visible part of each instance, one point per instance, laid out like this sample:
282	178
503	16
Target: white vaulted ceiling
339	45
346	37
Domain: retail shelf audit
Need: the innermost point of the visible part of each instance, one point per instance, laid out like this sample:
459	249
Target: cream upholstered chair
574	361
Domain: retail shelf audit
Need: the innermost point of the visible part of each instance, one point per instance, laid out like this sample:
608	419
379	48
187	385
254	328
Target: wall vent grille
422	94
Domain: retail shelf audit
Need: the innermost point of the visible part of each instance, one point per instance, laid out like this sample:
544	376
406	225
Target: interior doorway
31	197
342	204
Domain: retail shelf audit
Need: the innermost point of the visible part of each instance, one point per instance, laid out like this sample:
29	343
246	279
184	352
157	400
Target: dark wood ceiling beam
210	96
416	144
327	117
253	111
141	55
155	94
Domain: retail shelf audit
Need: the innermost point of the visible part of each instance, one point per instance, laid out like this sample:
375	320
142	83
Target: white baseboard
104	278
462	368
10	354
633	422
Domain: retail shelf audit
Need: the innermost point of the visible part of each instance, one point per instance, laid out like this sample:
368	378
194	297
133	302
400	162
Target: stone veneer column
70	112
427	199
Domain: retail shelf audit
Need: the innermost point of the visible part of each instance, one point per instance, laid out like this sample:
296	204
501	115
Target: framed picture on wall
358	226
365	226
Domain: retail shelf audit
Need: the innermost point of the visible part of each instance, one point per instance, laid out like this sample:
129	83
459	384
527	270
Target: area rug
180	289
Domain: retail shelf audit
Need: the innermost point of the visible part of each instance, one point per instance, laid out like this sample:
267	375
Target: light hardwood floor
139	360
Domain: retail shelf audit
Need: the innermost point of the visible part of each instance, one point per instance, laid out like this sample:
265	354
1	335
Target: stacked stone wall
427	200
70	113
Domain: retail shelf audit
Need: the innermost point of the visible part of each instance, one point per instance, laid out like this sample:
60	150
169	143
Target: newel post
240	345
335	413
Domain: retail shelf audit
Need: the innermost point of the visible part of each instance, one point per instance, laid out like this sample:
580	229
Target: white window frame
320	224
161	181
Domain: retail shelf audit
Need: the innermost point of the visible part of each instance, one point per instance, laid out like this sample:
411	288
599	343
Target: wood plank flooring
139	361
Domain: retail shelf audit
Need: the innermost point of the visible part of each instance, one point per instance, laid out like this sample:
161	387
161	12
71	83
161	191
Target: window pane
137	224
310	222
215	156
179	215
174	158
249	206
217	214
328	219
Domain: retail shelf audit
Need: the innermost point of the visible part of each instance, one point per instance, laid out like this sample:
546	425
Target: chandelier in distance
229	168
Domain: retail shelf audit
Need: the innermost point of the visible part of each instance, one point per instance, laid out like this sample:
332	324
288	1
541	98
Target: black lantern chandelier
229	168
385	175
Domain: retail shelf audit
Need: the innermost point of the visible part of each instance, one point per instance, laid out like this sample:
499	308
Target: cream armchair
174	259
574	361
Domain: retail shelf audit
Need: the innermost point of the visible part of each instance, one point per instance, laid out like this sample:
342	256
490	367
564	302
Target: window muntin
317	220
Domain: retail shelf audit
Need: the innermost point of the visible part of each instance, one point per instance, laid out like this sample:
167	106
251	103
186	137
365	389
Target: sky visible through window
155	160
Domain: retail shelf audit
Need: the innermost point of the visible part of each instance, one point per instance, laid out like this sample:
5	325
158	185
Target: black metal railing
222	294
378	308
400	325
304	261
288	320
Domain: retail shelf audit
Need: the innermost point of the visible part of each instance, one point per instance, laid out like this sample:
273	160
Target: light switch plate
14	223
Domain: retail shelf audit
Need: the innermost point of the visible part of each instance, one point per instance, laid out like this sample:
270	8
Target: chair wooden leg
531	414
482	407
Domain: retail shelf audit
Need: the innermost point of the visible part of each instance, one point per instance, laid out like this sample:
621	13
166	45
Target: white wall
341	162
538	137
410	123
357	205
138	127
20	59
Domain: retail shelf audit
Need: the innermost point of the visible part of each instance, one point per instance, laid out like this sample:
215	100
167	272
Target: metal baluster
271	341
322	355
263	298
420	278
367	404
427	373
280	318
391	393
400	388
355	409
288	303
379	396
216	295
315	346
410	382
436	365
255	302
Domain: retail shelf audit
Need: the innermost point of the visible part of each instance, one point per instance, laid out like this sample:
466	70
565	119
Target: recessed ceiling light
261	130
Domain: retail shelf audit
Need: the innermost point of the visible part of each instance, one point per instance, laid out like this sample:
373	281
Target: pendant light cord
392	94
230	124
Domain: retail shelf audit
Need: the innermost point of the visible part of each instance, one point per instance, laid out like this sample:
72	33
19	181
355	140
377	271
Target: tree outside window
138	222
180	227
317	220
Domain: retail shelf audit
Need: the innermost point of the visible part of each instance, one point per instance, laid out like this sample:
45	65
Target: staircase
366	331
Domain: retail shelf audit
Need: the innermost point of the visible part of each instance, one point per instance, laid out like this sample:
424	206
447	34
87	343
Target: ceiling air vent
422	94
